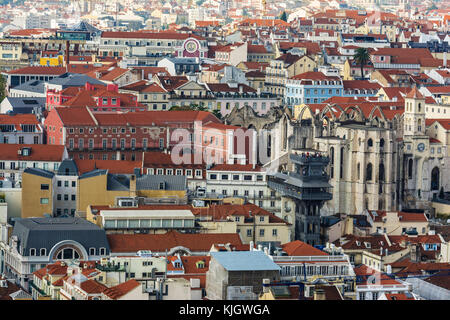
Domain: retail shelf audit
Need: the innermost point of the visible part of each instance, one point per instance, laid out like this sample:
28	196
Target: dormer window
367	244
32	252
43	252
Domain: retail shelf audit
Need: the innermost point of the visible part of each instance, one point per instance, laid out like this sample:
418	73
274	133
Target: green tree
362	56
283	16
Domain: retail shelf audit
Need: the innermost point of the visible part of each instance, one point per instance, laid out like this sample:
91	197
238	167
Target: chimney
133	185
319	294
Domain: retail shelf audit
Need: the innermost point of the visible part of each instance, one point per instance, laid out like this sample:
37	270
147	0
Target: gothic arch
435	179
356	112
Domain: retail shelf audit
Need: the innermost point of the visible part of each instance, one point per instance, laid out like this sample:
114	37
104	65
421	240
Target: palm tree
362	56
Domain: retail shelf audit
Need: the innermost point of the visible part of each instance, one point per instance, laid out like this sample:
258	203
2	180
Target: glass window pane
178	223
133	223
166	223
189	223
110	223
156	223
145	223
121	223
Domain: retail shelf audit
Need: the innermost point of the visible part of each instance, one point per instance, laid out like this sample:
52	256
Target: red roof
166	241
415	94
76	116
398	296
92	287
445	123
38	70
113	166
18	119
143	34
121	289
39	152
299	248
312	75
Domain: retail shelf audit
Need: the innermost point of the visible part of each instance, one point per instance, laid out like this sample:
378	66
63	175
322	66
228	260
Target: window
224	177
212	176
249	232
32	252
369	172
92	251
43	252
261	232
247	177
44	200
274	232
102	251
44	187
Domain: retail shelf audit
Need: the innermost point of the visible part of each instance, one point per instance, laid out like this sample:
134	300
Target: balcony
298	194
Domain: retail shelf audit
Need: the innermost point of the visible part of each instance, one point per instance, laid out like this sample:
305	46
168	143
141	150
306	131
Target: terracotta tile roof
224	211
38	70
404	216
121	289
113	166
78	116
403	52
415	94
144	86
440	279
445	123
360	84
313	75
18	119
161	242
398	296
144	34
311	47
235	167
92	287
439	89
299	248
252	65
263	22
114	74
365	271
252	48
74	116
223	87
82	99
39	152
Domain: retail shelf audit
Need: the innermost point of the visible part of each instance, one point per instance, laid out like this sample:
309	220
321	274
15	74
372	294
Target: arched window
381	172
419	107
331	162
67	254
370	142
358	171
435	179
381	143
43	252
410	168
369	172
419	125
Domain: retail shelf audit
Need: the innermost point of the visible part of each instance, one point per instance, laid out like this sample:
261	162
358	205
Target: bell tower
414	114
